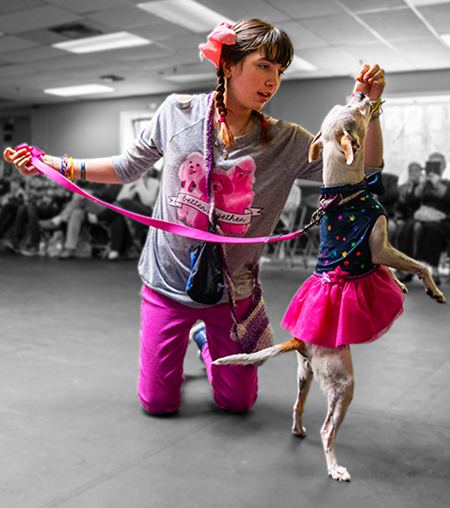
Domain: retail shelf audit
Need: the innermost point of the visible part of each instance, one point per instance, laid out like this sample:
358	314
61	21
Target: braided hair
251	35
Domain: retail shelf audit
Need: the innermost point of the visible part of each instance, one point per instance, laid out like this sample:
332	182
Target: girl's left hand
370	81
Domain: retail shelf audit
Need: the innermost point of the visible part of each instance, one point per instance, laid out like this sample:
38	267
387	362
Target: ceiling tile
308	8
173	60
88	6
63	62
8	7
396	25
435	64
11	43
30	55
370	6
124	18
399	66
438	16
300	36
160	31
186	41
421	50
248	9
138	53
43	37
33	19
13	70
338	30
330	58
427	2
372	53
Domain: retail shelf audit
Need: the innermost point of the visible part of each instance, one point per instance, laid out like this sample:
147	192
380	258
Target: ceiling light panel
104	42
446	38
187	13
69	91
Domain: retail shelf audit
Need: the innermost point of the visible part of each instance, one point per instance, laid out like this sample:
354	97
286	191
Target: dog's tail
263	355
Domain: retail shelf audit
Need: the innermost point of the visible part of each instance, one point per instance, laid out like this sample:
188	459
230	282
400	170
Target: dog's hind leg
333	370
304	378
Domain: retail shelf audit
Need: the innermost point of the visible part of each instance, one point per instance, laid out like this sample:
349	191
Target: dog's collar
372	183
332	196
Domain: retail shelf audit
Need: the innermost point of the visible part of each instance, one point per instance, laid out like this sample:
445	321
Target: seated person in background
407	204
4	181
10	204
126	234
286	221
74	214
433	214
389	201
45	199
140	197
290	208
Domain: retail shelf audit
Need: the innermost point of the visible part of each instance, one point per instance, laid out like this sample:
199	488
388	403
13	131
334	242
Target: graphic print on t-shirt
233	194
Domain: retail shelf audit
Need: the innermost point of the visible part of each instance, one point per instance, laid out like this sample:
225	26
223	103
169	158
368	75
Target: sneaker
67	254
113	256
198	335
12	246
50	224
30	251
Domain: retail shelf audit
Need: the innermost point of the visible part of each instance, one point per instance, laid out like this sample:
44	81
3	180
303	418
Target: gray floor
73	433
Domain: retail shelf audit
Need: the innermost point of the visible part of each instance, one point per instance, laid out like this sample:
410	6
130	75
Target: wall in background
92	128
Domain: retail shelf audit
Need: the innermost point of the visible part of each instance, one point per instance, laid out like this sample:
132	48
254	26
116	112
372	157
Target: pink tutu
333	309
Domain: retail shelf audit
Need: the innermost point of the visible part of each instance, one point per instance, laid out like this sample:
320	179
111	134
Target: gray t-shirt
250	185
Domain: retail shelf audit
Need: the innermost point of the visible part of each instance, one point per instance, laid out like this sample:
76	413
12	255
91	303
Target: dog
341	140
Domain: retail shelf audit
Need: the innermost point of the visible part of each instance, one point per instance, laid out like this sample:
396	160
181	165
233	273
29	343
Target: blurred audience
407	204
389	202
45	199
10	204
433	215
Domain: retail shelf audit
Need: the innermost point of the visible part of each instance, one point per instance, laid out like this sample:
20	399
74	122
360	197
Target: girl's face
252	82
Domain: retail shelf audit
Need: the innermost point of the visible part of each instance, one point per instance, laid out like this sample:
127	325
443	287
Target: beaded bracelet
62	166
67	169
83	170
70	177
376	109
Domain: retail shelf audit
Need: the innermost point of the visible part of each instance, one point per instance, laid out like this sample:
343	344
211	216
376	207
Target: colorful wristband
376	109
70	177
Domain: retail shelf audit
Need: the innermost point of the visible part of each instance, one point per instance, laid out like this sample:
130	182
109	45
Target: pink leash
177	229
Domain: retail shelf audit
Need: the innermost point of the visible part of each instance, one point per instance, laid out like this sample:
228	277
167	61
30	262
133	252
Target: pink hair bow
212	50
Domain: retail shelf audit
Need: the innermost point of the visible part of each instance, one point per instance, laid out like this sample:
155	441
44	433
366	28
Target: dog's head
343	130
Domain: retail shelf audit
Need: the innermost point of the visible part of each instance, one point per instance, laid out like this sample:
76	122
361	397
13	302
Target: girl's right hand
22	160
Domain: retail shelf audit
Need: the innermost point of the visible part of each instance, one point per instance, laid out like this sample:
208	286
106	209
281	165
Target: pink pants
165	326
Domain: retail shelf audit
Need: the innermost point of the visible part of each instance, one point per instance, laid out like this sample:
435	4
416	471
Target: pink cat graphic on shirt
193	182
242	177
233	194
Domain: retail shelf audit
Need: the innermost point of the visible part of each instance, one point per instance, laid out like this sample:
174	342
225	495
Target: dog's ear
315	147
350	145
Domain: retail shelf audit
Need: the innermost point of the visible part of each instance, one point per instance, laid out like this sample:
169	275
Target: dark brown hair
251	35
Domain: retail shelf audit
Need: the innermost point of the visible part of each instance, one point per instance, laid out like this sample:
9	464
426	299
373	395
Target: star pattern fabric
344	234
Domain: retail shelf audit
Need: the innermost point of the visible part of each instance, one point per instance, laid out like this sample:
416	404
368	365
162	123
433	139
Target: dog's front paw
339	473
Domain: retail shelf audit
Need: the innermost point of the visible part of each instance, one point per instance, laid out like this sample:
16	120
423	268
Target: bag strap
257	291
